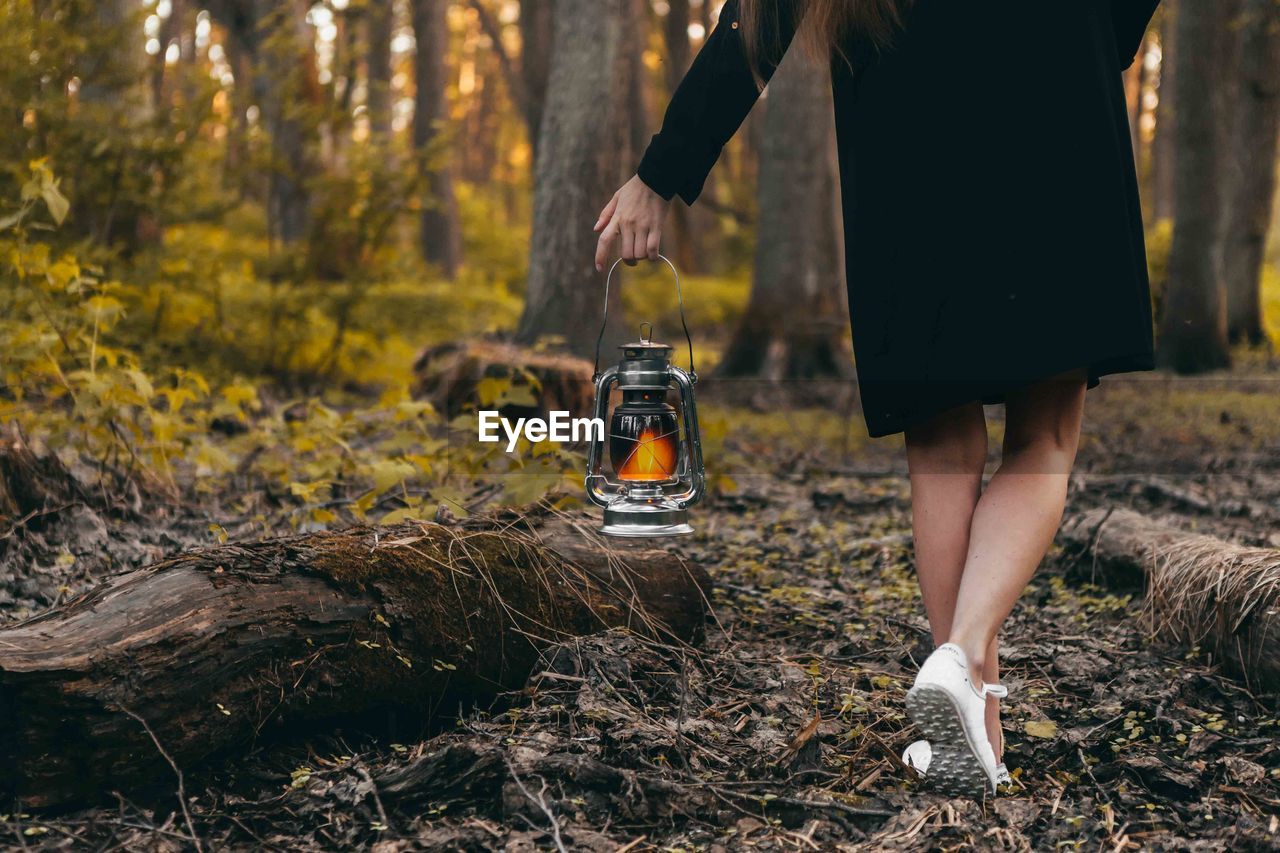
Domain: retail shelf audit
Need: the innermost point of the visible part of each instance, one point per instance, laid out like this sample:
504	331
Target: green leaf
55	201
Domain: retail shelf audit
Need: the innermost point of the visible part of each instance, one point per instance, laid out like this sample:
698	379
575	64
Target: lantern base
638	519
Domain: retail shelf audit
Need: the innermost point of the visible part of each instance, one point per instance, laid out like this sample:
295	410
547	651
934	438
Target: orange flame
653	458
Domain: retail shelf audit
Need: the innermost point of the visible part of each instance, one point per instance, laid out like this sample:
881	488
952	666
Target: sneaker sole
955	769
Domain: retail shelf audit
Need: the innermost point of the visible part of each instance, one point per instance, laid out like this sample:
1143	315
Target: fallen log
167	666
1201	590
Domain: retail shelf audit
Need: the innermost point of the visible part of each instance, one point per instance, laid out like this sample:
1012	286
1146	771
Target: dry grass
1210	593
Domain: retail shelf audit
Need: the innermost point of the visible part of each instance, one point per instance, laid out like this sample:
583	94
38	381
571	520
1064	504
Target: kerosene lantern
655	451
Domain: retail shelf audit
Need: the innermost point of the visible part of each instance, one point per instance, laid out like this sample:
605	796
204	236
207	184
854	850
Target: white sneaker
919	754
951	711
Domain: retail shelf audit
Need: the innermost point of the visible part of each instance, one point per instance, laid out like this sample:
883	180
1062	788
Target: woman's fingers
607	213
634	218
604	245
635	241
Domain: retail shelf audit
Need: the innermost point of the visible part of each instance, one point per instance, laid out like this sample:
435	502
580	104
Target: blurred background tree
1215	155
1250	181
795	324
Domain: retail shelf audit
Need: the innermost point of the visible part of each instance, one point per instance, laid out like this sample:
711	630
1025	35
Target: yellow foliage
140	372
1271	302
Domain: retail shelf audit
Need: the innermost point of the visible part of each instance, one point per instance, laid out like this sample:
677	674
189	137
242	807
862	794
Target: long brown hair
821	26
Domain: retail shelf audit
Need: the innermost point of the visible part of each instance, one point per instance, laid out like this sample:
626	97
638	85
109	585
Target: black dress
991	216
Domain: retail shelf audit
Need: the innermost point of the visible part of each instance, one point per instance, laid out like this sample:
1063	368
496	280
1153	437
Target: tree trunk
583	132
537	31
284	78
112	88
1164	147
440	230
1201	591
675	34
1251	179
379	23
109	75
794	325
335	129
693	229
170	32
1193	330
240	47
638	94
212	650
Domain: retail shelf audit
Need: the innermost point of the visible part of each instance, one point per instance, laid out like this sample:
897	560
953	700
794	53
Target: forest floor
783	731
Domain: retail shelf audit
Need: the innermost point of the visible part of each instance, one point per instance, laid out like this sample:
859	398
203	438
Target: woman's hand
635	213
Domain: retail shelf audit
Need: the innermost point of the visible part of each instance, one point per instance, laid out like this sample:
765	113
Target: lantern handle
604	321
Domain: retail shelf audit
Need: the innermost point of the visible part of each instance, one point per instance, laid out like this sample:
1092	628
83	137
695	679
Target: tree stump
1201	590
31	482
210	650
451	377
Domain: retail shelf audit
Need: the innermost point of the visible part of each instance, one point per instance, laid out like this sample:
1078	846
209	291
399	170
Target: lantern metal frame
647	508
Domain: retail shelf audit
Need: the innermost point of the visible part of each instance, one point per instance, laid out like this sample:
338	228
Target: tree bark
675	34
527	80
693	229
794	325
379	23
440	231
212	650
583	134
112	90
276	40
1193	330
240	46
638	94
537	31
170	32
1251	179
1164	146
1201	591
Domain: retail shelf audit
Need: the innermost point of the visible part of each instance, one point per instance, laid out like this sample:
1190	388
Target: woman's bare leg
946	458
1019	513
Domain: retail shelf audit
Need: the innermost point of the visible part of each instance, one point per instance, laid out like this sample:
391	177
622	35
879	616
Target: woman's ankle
975	653
995	731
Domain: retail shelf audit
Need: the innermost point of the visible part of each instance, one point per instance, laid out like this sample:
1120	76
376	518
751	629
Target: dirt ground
783	731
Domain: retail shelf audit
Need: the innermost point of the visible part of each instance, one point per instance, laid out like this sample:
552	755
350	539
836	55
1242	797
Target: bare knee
1044	421
953	442
1049	437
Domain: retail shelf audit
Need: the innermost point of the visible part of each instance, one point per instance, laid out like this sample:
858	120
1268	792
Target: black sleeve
706	109
1130	18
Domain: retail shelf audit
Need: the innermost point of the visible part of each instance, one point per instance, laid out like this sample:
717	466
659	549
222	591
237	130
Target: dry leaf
1041	728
